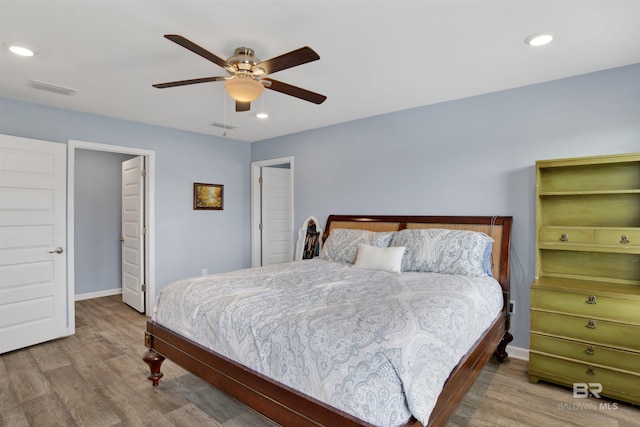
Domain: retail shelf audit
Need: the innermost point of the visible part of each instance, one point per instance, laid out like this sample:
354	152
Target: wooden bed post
505	281
153	359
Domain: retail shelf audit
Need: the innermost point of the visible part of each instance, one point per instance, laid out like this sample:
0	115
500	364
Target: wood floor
97	378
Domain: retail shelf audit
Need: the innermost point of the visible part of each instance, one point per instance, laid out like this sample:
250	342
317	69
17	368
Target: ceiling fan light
243	89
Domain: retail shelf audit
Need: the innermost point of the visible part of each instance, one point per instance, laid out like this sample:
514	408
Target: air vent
223	125
61	90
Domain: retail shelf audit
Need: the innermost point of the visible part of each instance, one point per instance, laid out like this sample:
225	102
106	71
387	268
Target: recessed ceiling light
262	115
539	39
22	51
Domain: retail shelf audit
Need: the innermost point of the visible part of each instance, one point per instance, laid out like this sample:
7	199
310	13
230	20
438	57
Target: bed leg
501	352
153	359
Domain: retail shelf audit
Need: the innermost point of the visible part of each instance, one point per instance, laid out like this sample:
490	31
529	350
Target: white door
133	229
33	275
277	221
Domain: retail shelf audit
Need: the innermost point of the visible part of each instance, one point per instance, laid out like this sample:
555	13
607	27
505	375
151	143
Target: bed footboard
276	401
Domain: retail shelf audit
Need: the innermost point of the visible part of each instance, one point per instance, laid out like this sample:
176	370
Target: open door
277	221
33	256
272	211
133	231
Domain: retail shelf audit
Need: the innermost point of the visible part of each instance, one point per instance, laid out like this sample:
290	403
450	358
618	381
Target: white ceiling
376	57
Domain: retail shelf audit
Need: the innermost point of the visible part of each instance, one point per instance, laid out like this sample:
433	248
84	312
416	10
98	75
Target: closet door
133	231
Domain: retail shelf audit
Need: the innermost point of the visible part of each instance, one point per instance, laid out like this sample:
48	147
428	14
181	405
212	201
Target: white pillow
376	258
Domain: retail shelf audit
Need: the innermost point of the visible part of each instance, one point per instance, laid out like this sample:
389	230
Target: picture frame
208	196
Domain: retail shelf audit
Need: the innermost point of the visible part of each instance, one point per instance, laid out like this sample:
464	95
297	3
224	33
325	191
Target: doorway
149	257
262	239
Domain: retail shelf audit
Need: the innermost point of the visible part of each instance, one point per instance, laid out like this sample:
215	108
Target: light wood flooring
97	378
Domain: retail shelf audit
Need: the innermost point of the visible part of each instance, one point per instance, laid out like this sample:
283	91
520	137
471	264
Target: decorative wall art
208	196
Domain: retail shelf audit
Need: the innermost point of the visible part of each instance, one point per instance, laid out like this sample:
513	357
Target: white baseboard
518	352
98	294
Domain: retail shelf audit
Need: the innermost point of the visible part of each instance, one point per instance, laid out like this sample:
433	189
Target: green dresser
585	301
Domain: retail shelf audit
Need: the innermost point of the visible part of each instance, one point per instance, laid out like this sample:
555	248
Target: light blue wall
471	156
98	221
474	156
186	240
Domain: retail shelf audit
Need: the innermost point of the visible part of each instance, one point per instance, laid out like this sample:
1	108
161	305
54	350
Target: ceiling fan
245	81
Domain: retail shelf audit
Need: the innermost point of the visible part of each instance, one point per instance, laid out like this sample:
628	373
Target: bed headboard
498	227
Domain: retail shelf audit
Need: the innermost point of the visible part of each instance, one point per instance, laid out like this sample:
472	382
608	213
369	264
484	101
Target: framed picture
208	196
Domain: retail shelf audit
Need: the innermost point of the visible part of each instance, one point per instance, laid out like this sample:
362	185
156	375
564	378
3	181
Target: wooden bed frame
289	407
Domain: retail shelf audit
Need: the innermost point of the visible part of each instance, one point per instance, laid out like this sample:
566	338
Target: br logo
583	390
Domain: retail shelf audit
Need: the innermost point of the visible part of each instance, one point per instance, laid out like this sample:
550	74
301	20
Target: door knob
57	250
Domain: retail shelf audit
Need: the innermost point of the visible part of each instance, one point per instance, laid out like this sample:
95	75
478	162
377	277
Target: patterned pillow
443	251
342	244
487	261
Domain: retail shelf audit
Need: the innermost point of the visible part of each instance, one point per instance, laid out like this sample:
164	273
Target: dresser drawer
586	352
620	385
605	236
594	331
622	237
586	303
566	235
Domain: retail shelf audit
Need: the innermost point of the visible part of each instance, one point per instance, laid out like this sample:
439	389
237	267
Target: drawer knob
564	237
591	370
591	324
624	239
592	299
590	350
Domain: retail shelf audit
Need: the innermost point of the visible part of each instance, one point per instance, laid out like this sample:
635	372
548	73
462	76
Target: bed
310	392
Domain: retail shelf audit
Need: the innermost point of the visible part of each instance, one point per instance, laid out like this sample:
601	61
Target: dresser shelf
588	193
585	301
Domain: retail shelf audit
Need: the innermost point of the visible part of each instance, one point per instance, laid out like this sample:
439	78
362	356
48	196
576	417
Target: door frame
149	194
256	204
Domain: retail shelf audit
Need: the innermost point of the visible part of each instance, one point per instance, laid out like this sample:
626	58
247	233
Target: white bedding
377	345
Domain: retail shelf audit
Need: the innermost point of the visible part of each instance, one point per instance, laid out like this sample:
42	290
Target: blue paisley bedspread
374	344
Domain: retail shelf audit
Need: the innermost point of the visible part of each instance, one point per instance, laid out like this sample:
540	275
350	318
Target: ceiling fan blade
288	60
188	82
188	44
298	92
242	106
